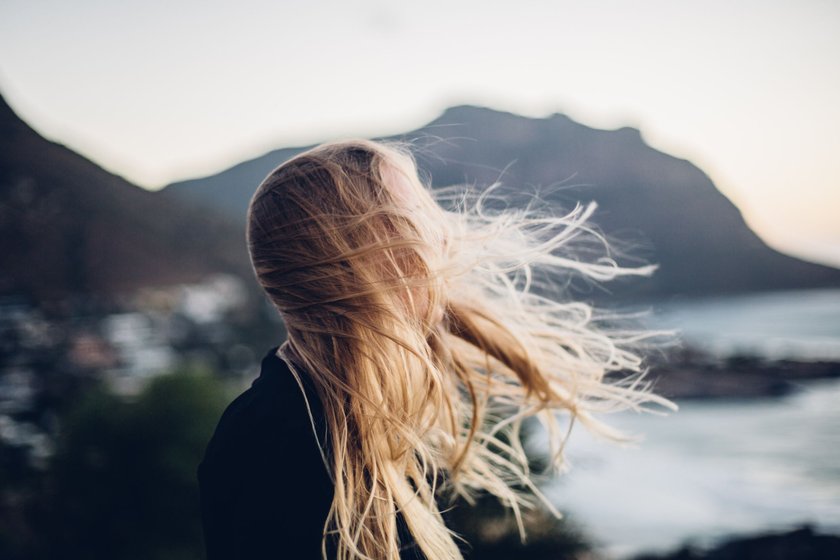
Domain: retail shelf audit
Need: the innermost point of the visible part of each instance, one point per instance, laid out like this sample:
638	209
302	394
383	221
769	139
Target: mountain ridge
665	205
69	227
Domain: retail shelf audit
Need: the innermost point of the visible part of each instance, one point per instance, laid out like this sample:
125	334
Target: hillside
657	207
68	227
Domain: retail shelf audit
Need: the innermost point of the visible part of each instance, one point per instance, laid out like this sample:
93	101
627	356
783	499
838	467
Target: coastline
692	374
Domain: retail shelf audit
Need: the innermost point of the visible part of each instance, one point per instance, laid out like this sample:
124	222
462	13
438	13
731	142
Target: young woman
419	339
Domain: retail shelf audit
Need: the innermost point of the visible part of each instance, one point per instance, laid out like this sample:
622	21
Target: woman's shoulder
264	486
275	417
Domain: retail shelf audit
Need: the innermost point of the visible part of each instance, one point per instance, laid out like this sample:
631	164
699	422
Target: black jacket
265	490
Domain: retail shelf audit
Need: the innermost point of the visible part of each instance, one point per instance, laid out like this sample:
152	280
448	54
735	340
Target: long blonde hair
430	333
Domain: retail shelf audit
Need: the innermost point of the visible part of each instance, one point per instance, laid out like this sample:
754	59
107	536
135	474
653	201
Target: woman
419	339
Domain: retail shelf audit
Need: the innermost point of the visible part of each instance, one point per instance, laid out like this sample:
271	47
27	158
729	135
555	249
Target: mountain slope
68	227
656	207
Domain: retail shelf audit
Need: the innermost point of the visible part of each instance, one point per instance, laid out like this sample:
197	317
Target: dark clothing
265	489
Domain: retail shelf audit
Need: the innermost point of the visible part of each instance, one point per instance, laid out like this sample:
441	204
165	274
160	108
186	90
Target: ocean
798	325
724	467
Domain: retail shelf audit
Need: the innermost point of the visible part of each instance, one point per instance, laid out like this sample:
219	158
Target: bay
725	467
803	325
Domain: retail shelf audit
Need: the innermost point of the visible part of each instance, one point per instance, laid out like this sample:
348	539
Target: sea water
722	467
775	325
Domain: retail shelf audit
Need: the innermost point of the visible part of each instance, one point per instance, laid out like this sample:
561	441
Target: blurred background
132	135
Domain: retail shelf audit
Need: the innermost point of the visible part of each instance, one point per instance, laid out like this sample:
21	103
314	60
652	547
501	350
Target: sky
162	91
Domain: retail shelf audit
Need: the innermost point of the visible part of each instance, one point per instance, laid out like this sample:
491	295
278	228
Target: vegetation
121	483
490	532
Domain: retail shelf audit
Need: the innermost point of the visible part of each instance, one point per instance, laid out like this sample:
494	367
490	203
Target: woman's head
346	228
430	335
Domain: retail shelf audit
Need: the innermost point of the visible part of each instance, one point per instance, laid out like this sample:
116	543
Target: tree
123	481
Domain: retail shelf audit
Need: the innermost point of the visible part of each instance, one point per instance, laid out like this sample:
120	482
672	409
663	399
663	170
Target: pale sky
160	91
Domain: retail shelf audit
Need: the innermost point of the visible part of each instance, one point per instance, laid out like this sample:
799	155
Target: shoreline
691	374
805	542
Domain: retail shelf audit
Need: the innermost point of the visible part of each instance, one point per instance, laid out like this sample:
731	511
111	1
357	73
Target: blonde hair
430	334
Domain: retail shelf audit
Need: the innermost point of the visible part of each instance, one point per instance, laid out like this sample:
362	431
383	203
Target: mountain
655	207
68	227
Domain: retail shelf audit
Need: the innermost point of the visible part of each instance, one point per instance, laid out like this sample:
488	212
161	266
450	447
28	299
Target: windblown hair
427	339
